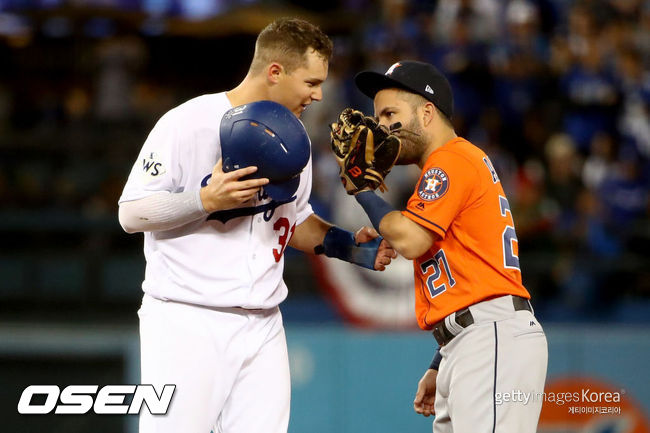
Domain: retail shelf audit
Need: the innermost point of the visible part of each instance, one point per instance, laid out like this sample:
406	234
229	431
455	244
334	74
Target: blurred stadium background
557	92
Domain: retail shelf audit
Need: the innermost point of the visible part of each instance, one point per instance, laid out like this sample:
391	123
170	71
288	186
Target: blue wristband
340	243
435	362
375	206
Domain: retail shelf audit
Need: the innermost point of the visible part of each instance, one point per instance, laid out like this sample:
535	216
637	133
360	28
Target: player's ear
428	112
273	72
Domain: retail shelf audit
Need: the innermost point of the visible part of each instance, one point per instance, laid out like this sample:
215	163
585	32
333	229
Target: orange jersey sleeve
475	257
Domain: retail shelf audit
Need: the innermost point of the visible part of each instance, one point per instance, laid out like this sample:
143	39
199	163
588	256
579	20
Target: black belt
464	318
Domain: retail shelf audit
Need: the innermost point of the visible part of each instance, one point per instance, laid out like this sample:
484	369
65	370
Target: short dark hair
286	41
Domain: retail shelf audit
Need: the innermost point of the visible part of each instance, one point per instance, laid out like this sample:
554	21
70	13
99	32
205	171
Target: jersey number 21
439	261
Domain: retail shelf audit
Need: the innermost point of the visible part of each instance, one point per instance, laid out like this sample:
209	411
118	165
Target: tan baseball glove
364	150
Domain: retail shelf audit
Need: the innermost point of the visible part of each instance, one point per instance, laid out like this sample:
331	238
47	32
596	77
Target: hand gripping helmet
269	136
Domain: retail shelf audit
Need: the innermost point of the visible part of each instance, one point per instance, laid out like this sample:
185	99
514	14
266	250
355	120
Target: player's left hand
425	397
365	151
385	253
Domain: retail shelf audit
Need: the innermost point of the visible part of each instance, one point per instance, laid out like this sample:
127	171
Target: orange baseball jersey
460	198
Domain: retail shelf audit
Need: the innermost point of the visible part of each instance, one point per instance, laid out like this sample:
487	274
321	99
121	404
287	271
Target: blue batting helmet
269	136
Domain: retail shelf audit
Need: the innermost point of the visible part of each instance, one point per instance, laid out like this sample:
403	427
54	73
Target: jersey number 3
282	225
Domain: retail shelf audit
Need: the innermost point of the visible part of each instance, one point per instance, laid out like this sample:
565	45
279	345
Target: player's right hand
227	191
385	252
425	396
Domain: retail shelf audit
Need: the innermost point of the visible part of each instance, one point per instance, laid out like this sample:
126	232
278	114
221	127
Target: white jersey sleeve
303	208
158	166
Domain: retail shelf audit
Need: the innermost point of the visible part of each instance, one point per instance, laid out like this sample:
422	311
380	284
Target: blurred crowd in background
557	92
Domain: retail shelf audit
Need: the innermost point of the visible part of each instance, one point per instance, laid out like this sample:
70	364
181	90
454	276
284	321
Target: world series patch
152	166
434	184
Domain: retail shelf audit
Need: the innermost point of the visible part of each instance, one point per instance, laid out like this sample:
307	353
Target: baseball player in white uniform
214	243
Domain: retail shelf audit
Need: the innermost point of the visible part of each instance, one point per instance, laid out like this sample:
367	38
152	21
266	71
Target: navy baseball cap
413	76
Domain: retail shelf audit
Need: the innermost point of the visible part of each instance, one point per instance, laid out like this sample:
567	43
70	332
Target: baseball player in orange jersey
489	371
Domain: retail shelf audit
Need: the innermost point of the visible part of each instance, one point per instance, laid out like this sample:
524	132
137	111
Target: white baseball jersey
231	258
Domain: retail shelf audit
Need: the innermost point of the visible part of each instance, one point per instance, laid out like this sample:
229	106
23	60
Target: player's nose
317	94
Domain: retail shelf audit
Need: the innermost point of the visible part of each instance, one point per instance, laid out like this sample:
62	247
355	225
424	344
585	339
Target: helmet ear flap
226	164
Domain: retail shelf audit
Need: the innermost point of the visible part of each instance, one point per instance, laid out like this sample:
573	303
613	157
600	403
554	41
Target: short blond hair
287	41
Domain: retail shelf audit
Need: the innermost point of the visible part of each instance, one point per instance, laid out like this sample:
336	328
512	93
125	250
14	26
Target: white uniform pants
230	367
492	374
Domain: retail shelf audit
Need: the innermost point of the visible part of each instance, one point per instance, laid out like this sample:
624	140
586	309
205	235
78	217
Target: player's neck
440	137
249	90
